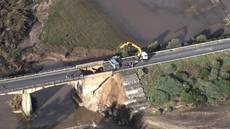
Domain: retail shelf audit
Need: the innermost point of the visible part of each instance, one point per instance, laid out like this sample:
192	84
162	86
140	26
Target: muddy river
55	110
145	21
161	20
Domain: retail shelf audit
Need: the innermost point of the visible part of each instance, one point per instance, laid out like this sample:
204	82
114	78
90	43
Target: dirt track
202	118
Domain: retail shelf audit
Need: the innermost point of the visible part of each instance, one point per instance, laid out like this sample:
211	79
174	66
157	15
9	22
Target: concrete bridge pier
27	104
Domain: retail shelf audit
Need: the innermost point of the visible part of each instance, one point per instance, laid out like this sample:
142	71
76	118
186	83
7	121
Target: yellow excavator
142	55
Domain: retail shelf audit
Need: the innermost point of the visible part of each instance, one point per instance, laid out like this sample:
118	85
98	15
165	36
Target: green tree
201	38
154	46
174	43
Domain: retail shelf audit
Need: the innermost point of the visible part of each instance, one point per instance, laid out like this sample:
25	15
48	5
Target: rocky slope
16	21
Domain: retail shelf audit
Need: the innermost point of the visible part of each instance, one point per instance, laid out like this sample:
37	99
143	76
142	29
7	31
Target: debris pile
16	103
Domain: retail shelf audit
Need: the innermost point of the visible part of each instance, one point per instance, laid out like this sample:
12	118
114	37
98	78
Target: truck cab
144	55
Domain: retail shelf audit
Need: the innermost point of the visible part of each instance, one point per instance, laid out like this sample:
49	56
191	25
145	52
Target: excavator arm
130	44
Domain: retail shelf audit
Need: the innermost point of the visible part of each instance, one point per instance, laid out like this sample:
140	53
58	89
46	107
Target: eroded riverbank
55	109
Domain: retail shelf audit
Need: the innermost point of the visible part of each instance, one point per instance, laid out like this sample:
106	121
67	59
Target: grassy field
198	80
78	23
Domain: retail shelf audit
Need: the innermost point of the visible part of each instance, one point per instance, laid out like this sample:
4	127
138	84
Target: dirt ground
111	92
199	118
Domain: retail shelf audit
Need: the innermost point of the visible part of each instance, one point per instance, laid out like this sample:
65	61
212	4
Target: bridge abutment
27	104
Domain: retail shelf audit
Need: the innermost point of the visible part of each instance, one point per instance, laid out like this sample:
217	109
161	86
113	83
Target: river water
54	110
161	20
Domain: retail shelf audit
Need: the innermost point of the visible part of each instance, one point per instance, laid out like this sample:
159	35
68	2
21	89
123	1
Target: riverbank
55	109
204	117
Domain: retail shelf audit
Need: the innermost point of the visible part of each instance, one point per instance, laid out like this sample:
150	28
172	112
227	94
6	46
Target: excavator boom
141	54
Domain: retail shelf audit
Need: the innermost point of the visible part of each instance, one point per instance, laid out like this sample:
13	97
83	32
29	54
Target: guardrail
37	74
74	67
194	45
147	65
44	84
48	83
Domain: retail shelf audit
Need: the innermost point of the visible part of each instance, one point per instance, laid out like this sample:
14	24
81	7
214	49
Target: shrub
226	59
145	70
140	73
182	76
194	96
224	87
186	86
158	97
213	74
227	20
170	85
216	64
171	68
152	47
15	54
174	43
201	38
225	75
204	74
211	90
226	64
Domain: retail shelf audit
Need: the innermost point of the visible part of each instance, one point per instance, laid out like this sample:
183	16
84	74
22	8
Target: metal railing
74	67
43	84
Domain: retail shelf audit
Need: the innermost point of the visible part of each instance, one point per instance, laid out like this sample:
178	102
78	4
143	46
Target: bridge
31	83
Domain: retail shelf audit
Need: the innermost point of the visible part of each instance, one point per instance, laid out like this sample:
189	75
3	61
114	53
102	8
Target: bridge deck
38	80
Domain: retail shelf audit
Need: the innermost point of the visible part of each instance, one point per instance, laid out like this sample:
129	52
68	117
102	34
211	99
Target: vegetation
154	46
201	38
174	43
227	20
168	88
16	20
195	81
79	25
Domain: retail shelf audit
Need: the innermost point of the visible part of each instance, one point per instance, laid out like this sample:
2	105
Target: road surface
37	80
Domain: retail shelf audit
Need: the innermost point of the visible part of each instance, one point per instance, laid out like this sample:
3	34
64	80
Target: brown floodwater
161	20
55	109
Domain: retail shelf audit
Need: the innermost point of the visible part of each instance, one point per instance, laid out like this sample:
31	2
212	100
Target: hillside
79	23
16	21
